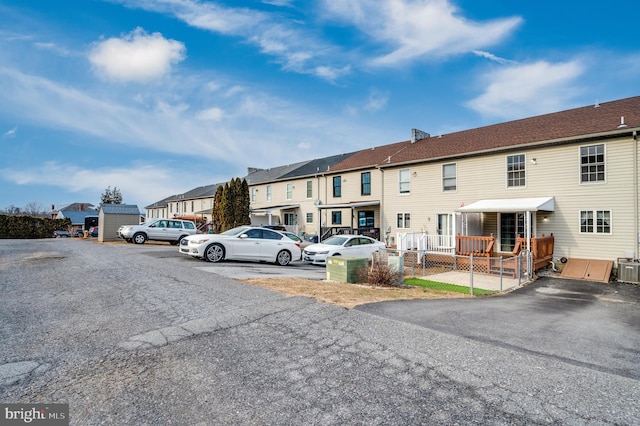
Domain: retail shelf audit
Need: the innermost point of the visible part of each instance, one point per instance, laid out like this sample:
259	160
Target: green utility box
347	269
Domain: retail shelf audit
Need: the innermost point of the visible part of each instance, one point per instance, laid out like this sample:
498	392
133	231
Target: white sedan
342	245
242	243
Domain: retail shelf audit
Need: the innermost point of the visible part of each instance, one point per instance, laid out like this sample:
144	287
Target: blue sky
156	97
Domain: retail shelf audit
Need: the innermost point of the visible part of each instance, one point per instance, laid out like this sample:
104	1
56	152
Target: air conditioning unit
628	271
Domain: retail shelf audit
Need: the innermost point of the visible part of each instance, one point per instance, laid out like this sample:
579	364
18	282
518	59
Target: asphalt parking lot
130	334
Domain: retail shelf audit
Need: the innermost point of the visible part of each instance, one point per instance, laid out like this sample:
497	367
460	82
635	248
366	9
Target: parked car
169	230
78	233
93	231
243	243
295	237
61	234
342	245
275	227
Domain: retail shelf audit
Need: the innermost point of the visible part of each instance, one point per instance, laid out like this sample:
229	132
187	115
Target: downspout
382	229
635	192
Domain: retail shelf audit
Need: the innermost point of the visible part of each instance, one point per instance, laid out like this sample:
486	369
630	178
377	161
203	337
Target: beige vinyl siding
556	173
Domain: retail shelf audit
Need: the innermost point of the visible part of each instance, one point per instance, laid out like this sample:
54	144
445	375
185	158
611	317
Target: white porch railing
422	241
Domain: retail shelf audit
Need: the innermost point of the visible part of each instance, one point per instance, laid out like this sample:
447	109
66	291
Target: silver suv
170	230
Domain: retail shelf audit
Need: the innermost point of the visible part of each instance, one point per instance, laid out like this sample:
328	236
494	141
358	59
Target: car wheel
174	243
139	238
214	253
128	240
283	258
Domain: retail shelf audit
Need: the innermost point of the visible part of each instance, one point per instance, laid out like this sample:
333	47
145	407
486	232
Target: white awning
272	208
510	205
348	205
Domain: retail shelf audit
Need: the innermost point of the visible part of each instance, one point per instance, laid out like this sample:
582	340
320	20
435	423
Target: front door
511	225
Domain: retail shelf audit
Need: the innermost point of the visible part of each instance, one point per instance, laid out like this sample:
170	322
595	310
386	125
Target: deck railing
477	245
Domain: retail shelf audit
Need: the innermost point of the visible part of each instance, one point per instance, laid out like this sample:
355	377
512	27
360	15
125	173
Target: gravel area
129	334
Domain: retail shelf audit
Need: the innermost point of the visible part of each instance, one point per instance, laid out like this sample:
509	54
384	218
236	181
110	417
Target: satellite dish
317	202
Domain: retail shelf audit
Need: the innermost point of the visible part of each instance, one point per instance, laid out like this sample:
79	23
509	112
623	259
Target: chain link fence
475	272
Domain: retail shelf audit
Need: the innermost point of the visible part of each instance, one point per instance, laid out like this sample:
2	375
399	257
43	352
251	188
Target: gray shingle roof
120	209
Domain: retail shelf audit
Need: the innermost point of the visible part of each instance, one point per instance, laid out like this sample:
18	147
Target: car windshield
335	240
235	231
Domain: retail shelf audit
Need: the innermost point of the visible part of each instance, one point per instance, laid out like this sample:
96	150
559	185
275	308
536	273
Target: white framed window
404	181
268	192
404	220
309	218
595	221
289	191
254	194
449	177
516	170
592	163
309	189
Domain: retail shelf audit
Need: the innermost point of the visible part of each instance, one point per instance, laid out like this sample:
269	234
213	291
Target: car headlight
127	229
323	252
199	241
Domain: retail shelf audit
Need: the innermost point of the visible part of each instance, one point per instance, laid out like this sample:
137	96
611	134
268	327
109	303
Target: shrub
381	275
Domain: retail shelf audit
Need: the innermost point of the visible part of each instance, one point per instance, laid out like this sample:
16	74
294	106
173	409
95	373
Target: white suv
170	230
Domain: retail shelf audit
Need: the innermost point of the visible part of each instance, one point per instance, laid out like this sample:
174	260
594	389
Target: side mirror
243	236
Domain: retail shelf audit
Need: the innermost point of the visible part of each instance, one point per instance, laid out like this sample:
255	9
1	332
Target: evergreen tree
216	214
245	210
227	219
111	196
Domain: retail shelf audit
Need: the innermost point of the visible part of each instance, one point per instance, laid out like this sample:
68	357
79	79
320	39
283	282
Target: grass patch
434	285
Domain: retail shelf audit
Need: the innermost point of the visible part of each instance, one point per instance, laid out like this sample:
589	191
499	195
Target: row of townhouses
571	174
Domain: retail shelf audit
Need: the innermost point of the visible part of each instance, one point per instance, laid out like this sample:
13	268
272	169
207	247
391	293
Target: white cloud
377	100
140	182
493	57
528	89
136	56
211	114
418	28
165	123
292	45
11	133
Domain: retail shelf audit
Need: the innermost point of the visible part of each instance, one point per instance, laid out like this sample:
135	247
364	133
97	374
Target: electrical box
347	269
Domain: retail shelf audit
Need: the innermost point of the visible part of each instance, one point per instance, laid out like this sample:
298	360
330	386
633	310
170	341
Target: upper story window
595	221
592	163
289	190
365	183
309	189
515	170
254	194
309	218
404	181
449	177
337	186
268	192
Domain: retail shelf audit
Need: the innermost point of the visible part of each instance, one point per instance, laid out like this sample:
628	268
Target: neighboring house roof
162	203
199	192
76	216
317	166
268	175
119	209
371	157
607	118
79	206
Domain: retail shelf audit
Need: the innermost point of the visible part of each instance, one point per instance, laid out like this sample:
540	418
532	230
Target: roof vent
622	124
417	135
